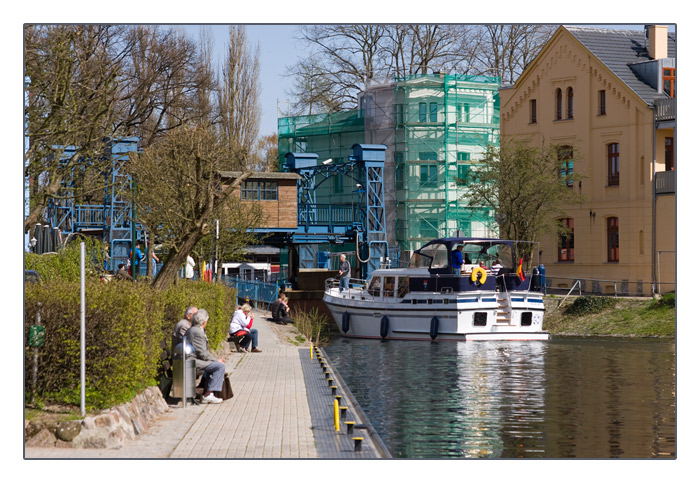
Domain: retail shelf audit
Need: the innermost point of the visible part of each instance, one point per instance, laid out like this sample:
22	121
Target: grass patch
612	317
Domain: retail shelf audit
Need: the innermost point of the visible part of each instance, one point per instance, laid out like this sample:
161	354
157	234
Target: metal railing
665	182
317	214
615	288
259	294
665	109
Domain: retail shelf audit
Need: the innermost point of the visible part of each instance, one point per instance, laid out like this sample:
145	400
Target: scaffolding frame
435	127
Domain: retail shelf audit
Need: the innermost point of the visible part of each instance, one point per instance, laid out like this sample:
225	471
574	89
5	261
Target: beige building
609	97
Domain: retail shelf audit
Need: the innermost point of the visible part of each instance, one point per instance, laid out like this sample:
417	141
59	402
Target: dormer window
669	81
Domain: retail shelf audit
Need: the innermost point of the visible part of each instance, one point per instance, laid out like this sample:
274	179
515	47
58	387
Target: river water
563	398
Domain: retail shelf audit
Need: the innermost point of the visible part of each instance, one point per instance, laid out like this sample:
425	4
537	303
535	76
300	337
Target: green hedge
125	323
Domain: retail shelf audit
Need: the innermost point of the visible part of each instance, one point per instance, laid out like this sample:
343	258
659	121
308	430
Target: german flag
520	270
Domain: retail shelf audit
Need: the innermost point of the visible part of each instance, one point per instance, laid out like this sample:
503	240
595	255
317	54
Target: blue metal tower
110	220
363	223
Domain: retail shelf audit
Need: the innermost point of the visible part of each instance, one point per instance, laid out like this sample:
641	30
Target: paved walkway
282	408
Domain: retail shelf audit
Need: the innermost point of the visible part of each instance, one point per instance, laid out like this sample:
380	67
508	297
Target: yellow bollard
336	417
311	351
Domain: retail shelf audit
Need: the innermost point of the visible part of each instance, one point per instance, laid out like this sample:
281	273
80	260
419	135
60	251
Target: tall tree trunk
176	257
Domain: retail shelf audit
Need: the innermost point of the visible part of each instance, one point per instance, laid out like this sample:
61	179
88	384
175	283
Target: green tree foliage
524	186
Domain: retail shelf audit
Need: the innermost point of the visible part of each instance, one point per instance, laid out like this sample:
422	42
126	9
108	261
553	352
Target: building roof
260	175
618	50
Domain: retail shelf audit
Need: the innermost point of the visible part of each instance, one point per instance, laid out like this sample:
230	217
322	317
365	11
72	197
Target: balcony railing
665	182
665	109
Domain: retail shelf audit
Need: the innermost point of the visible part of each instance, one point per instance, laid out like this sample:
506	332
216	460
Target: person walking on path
344	273
241	324
214	369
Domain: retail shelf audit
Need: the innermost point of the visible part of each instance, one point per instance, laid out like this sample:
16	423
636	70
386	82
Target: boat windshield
431	256
488	253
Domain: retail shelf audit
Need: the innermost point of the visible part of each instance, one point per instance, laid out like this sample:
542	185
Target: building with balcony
608	96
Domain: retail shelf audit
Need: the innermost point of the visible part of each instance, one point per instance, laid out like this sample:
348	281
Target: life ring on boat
475	274
346	322
434	326
384	327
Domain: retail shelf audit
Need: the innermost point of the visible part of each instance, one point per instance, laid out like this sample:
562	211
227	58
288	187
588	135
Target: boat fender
384	327
475	274
346	322
434	326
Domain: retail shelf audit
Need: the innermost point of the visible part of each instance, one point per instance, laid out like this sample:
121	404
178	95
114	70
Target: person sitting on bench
214	369
241	325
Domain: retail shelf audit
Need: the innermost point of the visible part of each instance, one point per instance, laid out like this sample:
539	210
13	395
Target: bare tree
238	98
344	58
72	75
165	81
265	157
313	91
508	49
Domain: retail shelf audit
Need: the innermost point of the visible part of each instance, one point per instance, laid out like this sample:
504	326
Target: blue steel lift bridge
362	223
110	220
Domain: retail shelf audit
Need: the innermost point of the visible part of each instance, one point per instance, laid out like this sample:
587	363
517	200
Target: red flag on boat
520	270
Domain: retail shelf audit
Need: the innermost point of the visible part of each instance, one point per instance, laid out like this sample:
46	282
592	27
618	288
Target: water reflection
565	398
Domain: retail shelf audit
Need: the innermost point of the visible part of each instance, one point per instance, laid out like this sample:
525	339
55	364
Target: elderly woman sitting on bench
214	369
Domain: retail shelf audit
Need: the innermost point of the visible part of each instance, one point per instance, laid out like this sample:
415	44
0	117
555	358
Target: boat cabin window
488	253
431	256
375	286
402	289
389	286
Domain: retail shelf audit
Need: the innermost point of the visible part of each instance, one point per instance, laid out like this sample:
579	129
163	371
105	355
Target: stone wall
107	429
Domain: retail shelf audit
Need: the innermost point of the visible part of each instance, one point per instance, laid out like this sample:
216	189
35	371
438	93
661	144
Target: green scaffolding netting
436	128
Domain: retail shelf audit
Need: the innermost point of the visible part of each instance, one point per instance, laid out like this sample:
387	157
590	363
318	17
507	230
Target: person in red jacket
242	324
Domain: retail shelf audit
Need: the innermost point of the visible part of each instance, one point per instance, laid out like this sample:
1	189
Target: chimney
658	41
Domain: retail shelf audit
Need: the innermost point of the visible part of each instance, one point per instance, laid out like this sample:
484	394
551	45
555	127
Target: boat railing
355	286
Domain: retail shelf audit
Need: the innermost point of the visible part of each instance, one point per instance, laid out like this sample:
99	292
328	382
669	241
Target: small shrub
312	324
667	301
589	304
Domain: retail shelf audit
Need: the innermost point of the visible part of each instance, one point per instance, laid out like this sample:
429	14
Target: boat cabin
488	265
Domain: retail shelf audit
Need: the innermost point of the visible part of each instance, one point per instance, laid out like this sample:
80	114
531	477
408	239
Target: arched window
557	114
570	103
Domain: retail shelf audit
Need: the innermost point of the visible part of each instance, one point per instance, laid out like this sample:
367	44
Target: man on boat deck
457	260
344	273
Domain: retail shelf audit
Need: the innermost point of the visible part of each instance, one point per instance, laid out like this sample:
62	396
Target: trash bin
184	385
